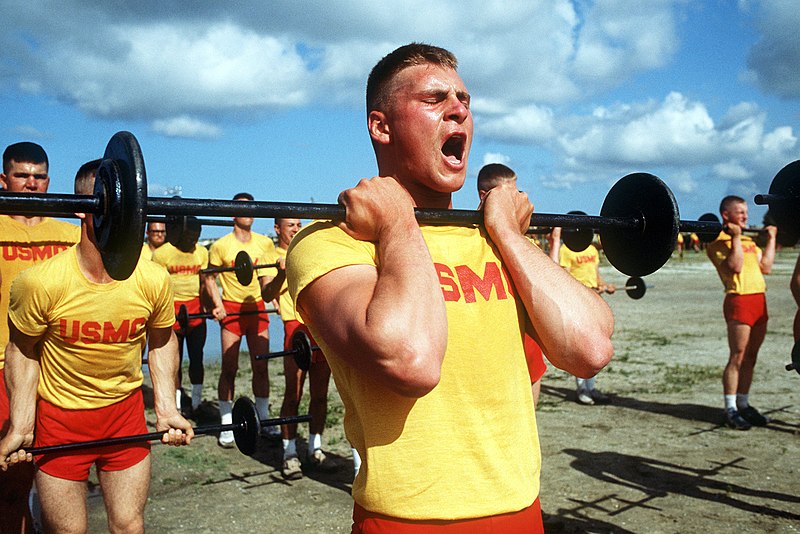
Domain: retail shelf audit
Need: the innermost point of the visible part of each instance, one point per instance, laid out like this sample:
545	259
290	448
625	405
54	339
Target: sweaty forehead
428	77
27	167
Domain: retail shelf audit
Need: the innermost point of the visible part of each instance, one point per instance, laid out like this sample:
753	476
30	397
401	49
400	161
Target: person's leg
195	341
291	468
230	365
63	503
319	379
258	343
180	335
15	486
738	338
125	495
536	389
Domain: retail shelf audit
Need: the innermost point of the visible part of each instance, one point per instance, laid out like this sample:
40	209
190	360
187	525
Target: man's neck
242	234
27	221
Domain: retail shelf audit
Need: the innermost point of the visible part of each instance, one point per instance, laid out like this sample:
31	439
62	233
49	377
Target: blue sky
268	96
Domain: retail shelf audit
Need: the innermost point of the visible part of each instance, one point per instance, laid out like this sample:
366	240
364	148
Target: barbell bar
242	266
246	428
301	351
638	223
183	316
783	200
634	287
712	217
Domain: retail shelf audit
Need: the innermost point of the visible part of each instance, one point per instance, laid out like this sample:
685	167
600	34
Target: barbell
183	316
638	223
301	351
246	428
712	217
242	266
783	200
634	287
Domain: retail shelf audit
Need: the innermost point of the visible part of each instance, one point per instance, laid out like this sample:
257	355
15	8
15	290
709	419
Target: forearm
768	256
735	260
209	283
163	365
22	381
572	324
271	287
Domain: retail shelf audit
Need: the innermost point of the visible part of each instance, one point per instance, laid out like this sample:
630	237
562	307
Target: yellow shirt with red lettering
285	302
747	282
581	265
92	335
184	268
223	254
22	247
439	456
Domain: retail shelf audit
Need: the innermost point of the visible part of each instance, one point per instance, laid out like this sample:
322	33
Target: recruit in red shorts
289	328
242	325
193	307
55	426
747	309
528	521
534	358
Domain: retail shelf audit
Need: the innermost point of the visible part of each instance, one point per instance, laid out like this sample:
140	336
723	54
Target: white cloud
529	124
185	126
732	170
493	157
774	60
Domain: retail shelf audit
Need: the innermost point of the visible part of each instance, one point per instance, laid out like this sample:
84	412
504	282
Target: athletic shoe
599	397
735	420
585	397
752	416
319	460
291	469
226	439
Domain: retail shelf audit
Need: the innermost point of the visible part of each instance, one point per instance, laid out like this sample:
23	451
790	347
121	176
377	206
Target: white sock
225	412
178	399
356	461
730	402
742	401
289	448
262	407
197	395
314	443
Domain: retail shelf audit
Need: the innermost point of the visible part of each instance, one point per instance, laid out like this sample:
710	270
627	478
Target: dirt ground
656	460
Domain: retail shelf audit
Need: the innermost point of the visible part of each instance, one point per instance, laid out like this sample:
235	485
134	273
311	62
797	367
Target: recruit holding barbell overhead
638	223
242	266
246	428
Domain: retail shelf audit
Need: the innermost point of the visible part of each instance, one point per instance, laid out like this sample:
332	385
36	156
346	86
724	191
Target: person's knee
126	523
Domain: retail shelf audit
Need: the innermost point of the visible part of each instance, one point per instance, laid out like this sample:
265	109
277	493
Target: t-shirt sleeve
163	315
28	304
215	255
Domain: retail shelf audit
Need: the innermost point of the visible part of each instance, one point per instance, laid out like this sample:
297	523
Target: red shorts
289	328
527	521
748	309
535	358
243	325
192	308
3	403
55	426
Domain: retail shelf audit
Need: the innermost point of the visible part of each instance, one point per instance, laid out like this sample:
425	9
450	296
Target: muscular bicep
21	343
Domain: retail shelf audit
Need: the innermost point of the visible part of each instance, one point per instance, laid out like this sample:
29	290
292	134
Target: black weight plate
246	435
708	237
635	287
243	268
577	239
121	185
644	197
786	213
302	347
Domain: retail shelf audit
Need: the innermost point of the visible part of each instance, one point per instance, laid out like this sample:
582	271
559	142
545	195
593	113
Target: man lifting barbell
76	341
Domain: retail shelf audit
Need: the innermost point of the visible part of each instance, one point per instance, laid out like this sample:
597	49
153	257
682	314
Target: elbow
594	357
414	369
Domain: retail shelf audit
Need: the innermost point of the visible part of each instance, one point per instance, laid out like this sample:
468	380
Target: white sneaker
585	397
226	439
291	468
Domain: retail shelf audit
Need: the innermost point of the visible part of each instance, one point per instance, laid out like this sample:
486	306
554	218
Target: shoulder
65	229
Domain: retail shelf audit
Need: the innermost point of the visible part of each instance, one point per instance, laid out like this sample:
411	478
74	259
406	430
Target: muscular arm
388	322
794	283
22	380
209	284
271	285
735	260
571	323
768	255
163	363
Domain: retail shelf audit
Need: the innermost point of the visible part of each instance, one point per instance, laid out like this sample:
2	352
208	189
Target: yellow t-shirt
285	302
183	268
92	335
146	253
24	246
750	280
581	265
223	253
438	457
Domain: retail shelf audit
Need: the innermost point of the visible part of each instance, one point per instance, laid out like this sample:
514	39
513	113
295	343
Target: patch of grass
684	377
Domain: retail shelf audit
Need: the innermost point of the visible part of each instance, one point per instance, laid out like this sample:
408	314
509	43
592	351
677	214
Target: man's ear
379	127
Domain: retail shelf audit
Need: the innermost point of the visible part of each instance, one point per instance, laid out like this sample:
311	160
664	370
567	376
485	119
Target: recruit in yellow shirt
747	282
223	253
24	246
581	265
285	302
184	268
440	456
92	335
